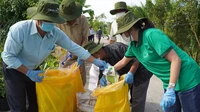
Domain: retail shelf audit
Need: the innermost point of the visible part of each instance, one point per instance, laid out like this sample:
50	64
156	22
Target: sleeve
12	47
65	42
85	28
160	42
112	31
129	53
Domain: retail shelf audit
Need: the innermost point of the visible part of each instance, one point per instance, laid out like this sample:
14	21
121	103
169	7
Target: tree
183	27
12	11
138	11
99	22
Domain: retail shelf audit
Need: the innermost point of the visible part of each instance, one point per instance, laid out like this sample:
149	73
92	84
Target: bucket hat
47	10
126	21
70	10
118	6
92	47
31	11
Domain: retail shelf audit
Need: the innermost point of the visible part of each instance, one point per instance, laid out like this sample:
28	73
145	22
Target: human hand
33	75
79	61
101	64
128	78
168	99
103	81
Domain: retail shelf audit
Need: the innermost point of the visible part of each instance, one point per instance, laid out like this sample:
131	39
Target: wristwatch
171	85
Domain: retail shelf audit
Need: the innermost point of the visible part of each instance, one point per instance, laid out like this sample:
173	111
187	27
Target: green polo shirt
150	50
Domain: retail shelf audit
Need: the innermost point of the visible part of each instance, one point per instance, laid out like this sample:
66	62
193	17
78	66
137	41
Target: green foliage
50	62
12	11
2	88
138	11
182	25
99	22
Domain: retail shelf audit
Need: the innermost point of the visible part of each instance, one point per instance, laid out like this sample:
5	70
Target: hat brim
74	15
114	11
126	28
32	13
97	48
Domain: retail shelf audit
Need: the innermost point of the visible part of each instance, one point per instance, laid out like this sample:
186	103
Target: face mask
47	27
119	14
127	39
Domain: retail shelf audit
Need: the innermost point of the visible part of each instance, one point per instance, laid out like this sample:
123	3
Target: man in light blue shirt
27	45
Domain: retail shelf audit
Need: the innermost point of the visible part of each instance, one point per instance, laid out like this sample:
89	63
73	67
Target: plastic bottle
107	70
111	75
69	56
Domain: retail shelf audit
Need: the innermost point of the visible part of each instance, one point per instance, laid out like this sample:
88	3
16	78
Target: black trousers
91	38
19	89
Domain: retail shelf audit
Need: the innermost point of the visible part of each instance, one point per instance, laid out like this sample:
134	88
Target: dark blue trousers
188	101
19	89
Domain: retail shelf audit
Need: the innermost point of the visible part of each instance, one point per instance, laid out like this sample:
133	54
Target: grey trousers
139	94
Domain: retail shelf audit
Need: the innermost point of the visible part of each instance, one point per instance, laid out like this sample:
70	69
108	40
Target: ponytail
143	24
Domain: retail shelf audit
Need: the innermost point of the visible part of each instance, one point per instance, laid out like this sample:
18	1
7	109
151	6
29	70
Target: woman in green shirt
179	73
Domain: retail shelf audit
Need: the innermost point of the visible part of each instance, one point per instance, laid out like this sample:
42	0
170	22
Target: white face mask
127	39
119	14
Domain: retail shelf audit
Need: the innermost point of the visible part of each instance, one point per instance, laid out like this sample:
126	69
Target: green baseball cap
126	21
46	10
70	10
92	47
119	6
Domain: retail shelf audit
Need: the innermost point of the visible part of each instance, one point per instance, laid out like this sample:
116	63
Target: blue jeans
188	100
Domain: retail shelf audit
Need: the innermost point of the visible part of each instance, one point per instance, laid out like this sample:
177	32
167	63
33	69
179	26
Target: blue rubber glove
103	81
101	64
128	78
168	99
33	75
79	61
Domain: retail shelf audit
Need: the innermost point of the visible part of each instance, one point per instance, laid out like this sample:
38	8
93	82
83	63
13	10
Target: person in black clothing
113	53
99	34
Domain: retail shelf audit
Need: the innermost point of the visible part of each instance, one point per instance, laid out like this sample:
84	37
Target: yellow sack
112	98
57	91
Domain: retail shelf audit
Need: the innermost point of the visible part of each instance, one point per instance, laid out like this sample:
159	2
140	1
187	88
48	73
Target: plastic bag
93	77
58	52
85	102
111	75
112	98
57	91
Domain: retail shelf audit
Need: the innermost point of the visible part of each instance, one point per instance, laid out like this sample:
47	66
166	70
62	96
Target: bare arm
122	63
134	67
175	65
23	69
90	59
